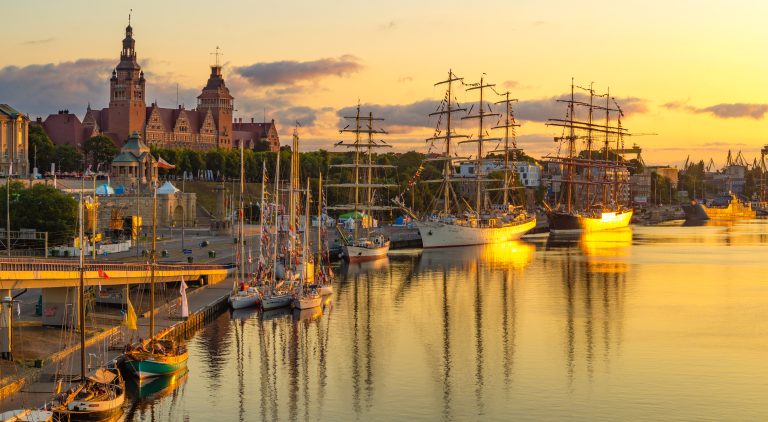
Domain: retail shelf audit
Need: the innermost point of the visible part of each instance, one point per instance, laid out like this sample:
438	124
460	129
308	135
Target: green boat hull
151	368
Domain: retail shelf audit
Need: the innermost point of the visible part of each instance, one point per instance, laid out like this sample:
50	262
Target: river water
652	323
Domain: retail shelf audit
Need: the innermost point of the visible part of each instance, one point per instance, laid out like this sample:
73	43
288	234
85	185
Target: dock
35	384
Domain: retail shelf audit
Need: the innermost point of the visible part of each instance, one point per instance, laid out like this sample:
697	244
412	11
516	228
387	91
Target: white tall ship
368	245
457	222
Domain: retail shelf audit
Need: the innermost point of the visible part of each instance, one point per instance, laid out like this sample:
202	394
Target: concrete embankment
31	384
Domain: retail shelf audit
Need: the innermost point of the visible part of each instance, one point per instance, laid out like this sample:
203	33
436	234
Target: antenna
129	16
217	53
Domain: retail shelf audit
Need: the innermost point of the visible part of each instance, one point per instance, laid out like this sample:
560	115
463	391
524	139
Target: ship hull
276	301
307	302
362	254
694	212
731	212
441	235
565	223
152	368
244	301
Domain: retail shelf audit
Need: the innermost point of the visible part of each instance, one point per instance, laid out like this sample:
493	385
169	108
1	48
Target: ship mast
481	115
362	146
588	127
509	127
448	109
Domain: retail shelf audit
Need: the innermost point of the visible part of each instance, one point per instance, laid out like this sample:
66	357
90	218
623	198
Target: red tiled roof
64	129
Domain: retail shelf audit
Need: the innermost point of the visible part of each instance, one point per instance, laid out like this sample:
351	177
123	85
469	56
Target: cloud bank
723	110
289	72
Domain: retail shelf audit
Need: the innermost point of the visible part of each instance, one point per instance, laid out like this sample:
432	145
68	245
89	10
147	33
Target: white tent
168	189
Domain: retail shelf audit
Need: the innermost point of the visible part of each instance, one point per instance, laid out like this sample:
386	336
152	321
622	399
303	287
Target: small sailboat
273	295
156	357
243	294
306	297
324	274
100	394
371	245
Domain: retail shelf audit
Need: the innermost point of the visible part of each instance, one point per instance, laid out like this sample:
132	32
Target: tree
215	161
68	158
99	151
261	145
41	148
43	208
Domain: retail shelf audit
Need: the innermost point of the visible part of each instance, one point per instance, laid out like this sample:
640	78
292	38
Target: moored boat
466	216
366	249
589	184
724	207
166	357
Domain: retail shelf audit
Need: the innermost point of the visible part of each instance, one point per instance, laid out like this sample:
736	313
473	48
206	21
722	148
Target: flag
184	304
130	315
18	309
103	274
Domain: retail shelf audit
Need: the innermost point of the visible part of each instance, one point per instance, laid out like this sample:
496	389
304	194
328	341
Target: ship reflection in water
643	323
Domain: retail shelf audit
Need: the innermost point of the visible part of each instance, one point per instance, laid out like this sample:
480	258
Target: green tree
43	208
68	158
261	145
215	160
41	148
99	151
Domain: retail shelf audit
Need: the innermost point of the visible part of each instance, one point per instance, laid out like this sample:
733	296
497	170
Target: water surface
652	323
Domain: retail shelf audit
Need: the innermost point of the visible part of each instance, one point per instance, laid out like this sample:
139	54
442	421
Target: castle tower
216	98
127	106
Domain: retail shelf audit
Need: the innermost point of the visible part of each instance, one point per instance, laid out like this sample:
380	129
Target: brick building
210	125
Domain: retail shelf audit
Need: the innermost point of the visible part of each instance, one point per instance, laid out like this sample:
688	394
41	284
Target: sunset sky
694	72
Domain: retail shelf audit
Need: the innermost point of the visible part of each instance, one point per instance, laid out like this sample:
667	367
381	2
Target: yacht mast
277	219
81	290
153	260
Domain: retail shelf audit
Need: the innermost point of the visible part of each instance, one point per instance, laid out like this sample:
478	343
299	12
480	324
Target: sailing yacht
274	296
462	224
371	245
307	296
591	181
156	357
243	295
324	274
100	394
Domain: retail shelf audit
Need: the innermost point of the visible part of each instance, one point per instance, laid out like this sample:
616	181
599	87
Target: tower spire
129	16
216	54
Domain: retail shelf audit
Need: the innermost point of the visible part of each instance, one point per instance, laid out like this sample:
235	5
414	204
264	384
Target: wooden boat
100	394
157	357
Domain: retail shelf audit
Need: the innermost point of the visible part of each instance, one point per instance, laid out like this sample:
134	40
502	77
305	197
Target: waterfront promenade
31	387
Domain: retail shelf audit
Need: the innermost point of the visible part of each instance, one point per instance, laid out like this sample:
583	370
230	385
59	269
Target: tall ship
591	192
361	242
453	220
723	207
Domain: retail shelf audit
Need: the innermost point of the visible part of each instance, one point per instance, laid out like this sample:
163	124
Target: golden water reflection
599	327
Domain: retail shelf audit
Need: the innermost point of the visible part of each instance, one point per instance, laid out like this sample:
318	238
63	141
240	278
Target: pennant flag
130	315
184	304
103	274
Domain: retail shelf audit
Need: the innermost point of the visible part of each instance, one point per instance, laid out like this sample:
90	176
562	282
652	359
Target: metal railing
27	264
